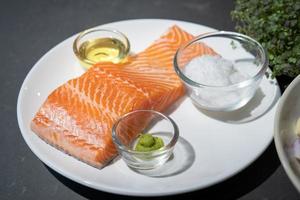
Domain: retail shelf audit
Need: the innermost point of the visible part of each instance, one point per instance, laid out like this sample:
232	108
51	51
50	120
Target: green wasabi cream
147	142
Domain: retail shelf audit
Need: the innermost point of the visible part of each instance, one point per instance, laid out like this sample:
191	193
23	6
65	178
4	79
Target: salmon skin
78	116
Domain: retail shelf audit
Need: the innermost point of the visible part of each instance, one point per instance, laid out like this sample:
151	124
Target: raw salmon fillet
78	116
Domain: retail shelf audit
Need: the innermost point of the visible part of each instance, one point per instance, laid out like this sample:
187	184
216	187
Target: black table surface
30	28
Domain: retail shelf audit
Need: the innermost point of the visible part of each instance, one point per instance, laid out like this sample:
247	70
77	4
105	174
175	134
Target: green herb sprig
276	25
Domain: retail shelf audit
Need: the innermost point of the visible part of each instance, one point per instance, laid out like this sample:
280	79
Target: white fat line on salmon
144	93
84	98
163	46
71	125
165	55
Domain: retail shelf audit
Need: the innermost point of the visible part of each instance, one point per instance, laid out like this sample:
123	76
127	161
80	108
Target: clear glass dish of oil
101	45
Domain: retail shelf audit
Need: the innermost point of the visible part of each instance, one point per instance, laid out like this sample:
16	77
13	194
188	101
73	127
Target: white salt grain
213	71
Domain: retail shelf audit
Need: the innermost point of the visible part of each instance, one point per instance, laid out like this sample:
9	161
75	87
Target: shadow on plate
232	188
183	157
253	110
175	105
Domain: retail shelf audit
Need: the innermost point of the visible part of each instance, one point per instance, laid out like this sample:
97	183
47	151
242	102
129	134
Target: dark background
30	28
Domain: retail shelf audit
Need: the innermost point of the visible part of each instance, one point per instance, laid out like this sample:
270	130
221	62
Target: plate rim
104	187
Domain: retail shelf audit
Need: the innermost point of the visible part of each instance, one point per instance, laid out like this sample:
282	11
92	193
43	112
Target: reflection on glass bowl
138	122
226	77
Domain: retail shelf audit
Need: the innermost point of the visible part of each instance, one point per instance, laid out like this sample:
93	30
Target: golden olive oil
102	50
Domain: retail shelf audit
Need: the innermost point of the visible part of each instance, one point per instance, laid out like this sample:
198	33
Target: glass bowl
128	128
101	45
225	74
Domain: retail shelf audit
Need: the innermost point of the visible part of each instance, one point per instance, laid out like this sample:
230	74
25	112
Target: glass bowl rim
91	30
161	150
263	67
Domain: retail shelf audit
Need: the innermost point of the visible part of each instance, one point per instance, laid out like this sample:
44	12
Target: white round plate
286	141
213	146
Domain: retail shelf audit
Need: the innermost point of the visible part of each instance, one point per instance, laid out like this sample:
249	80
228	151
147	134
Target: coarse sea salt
215	71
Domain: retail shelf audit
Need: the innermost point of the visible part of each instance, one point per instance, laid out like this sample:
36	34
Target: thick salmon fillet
78	116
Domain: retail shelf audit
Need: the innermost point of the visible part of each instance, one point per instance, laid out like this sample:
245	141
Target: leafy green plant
276	25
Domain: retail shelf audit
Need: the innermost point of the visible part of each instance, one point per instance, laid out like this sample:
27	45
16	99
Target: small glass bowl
128	128
246	55
98	33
